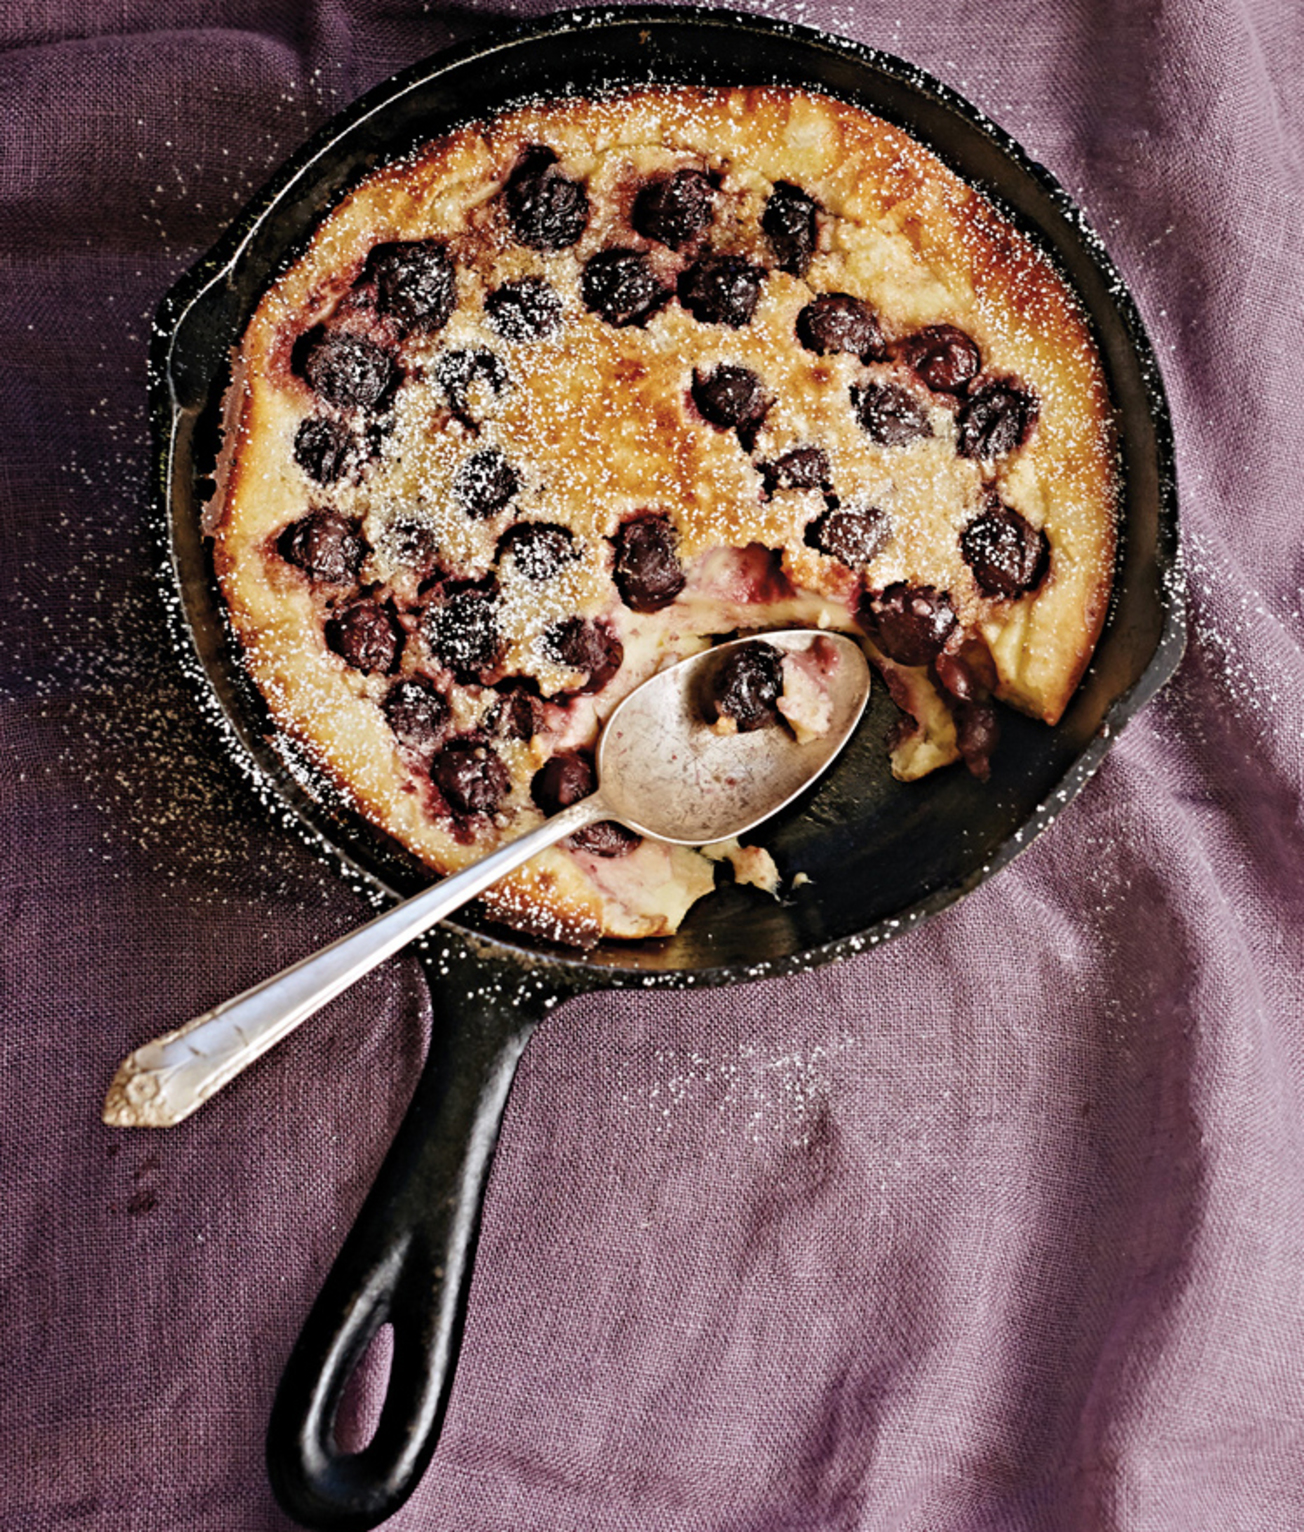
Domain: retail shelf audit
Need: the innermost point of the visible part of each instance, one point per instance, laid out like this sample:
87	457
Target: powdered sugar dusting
106	687
1237	632
767	1096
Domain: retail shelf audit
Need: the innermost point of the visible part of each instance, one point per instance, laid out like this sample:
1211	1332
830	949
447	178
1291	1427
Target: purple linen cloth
1001	1227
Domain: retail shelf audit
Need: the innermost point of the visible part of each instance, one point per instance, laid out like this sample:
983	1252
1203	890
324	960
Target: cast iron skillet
881	856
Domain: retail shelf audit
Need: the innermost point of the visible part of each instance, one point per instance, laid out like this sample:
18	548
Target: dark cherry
346	370
485	484
366	636
889	415
942	356
647	570
417	713
322	448
585	645
378	429
546	210
721	289
526	310
412	544
328	547
606	838
747	686
415	283
462	631
518	713
997	418
798	468
854	537
838	322
909	623
732	398
789	221
471	775
621	287
977	733
458	372
564	780
955	675
539	549
674	209
1007	554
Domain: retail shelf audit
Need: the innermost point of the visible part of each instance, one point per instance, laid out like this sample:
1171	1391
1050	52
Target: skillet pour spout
881	856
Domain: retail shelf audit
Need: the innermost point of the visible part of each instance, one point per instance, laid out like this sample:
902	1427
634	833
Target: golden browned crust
601	423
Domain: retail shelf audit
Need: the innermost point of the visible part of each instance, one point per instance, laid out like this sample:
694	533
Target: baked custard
568	395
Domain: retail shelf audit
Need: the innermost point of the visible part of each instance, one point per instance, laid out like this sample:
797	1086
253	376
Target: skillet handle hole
358	1413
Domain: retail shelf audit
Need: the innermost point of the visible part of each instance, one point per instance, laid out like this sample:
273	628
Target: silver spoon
662	772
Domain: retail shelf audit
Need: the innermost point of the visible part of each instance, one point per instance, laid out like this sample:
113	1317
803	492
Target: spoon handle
163	1082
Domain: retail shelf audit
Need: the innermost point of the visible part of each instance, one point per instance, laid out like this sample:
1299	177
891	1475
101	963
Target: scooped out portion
574	393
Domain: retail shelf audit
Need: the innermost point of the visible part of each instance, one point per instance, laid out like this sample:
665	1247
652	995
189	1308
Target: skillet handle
407	1262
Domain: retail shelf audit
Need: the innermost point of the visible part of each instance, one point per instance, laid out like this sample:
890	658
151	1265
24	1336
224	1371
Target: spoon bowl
664	770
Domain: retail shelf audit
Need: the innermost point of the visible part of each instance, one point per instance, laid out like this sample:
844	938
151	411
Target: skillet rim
283	791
